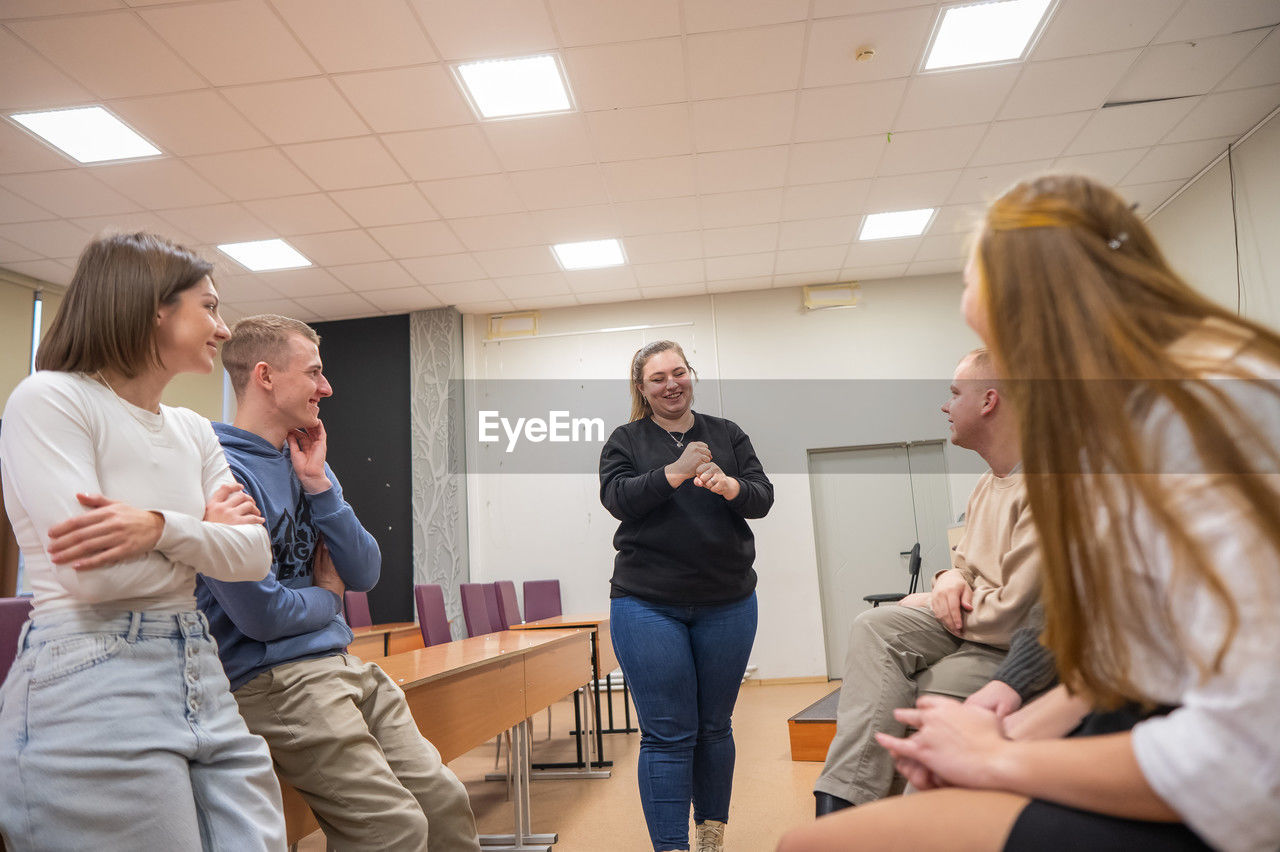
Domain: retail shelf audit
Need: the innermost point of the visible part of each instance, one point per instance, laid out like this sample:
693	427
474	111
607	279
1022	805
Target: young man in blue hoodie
339	729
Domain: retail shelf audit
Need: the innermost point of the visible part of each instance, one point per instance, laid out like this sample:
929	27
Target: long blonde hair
1082	309
640	407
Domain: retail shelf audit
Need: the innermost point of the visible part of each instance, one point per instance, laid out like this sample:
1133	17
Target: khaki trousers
341	733
895	653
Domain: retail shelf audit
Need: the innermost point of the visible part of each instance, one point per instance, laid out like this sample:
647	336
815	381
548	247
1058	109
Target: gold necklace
133	410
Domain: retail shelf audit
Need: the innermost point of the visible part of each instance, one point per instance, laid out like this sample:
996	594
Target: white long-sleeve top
1216	758
65	433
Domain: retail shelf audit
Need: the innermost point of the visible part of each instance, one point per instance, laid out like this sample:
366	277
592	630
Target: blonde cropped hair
264	337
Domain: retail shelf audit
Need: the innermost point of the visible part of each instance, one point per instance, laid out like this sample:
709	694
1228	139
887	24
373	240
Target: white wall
794	380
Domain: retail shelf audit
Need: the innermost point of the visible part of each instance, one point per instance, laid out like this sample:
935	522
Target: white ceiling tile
595	21
1078	27
297	110
818	200
931	150
745	62
385	205
719	242
543	303
338	306
705	15
839	8
240	41
637	180
218	223
739	266
301	214
28	80
402	299
89	48
47	239
739	285
676	272
1180	160
565	186
1199	18
1226	114
1260	68
910	192
496	306
339	247
510	230
490	29
1148	196
1066	85
898	38
345	36
240	288
838	112
51	271
443	268
640	133
637	73
14	208
628	294
955	97
443	153
875	273
382	275
864	253
346	163
942	247
159	183
658	248
936	267
575	224
985	183
533	286
540	143
296	283
958	219
406	98
503	263
139	221
32	8
68	193
1132	126
480	195
735	171
839	160
748	122
596	280
415	240
263	173
801	279
188	123
812	233
1185	68
656	216
1108	167
791	261
729	209
21	152
281	307
673	291
1020	139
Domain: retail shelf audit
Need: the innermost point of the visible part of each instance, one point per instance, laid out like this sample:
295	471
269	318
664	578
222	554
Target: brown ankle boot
709	836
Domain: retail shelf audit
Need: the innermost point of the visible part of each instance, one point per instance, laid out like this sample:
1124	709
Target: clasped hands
954	745
112	531
695	463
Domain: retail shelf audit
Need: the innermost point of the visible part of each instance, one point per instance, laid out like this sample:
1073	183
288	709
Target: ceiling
730	144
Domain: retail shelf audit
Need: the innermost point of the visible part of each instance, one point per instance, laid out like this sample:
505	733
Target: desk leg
523	840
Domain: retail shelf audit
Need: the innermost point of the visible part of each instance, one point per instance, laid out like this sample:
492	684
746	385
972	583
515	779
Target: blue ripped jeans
684	665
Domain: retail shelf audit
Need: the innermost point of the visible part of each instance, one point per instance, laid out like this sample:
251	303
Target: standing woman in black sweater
683	609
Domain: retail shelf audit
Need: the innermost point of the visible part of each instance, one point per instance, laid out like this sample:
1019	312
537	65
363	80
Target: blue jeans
684	665
119	731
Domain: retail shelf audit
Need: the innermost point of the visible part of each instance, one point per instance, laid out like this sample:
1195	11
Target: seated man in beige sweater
951	639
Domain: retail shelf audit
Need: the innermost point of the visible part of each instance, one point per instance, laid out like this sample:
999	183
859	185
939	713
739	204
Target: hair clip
1118	240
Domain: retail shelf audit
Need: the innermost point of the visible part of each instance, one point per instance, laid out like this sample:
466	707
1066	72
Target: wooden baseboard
784	681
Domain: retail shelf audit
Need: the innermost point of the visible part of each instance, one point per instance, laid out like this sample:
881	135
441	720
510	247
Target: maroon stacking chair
491	606
356	607
475	610
541	599
433	620
508	606
13	614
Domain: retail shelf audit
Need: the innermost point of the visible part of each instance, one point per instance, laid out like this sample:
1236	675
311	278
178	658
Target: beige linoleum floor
771	792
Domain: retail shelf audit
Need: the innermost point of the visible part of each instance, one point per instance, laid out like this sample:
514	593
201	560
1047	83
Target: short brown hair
264	337
107	319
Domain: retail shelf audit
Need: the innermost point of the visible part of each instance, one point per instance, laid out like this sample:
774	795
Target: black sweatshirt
683	545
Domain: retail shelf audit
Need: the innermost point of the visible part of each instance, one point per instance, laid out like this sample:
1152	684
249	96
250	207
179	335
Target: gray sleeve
1029	666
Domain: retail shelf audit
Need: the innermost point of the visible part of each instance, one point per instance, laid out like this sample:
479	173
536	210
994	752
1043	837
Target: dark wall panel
367	419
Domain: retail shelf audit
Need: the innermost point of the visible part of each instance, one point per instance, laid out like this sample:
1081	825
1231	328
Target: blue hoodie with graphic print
286	617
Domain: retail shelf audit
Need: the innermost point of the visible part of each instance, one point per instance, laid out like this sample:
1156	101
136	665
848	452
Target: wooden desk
383	640
464	693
